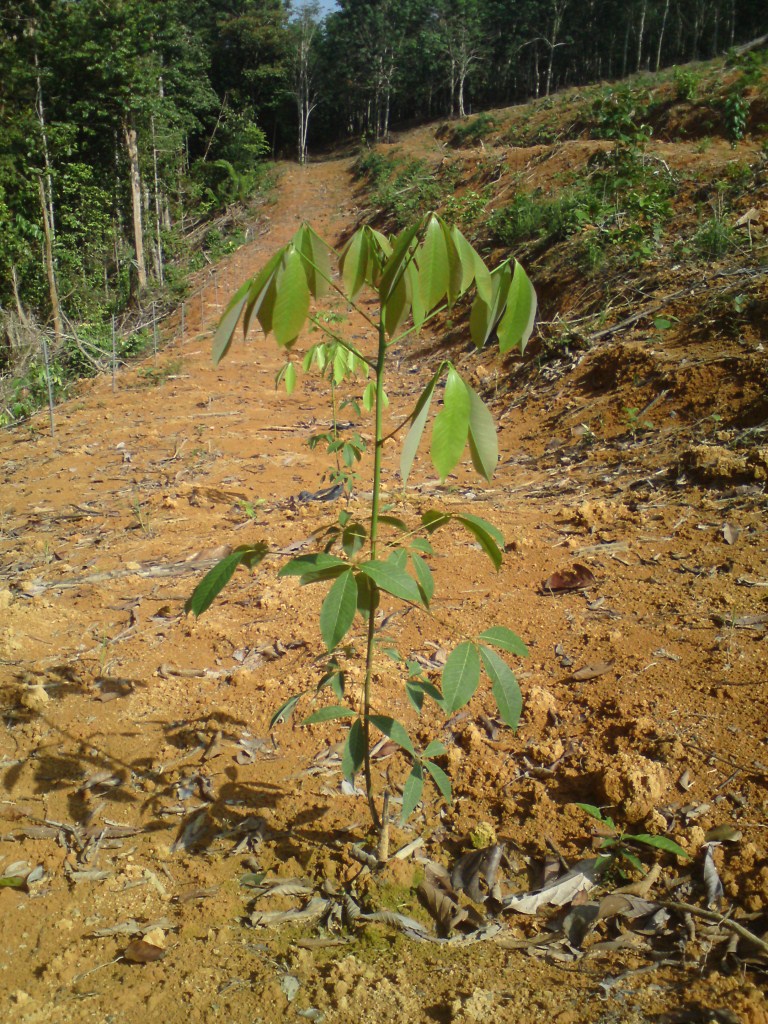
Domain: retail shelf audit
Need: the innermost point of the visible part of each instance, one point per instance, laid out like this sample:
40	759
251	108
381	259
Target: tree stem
373	538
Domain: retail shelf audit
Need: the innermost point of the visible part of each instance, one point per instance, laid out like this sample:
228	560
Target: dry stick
713	915
44	343
114	355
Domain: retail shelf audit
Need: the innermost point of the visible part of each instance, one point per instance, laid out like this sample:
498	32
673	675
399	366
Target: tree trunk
661	35
48	248
132	148
640	35
158	212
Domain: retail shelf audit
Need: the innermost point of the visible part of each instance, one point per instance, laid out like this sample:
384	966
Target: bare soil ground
141	780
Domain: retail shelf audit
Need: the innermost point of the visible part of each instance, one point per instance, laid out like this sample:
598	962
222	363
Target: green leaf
397	307
417	689
466	256
506	691
398	524
13	882
219	576
483	441
422	544
395	265
434	270
393	580
340	364
660	843
354	750
291	300
354	263
412	790
338	610
441	780
329	714
487	536
418	312
595	812
396	732
353	539
455	269
225	332
290	378
434	749
314	568
451	427
368	596
418	422
505	640
285	711
434	519
369	396
636	863
487	309
461	675
261	295
516	326
424	578
317	264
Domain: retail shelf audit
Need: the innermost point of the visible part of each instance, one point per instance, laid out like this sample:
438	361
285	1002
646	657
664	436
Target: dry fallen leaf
577	578
598	668
140	951
731	533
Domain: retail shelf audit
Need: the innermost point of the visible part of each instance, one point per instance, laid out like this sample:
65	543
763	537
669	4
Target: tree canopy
126	123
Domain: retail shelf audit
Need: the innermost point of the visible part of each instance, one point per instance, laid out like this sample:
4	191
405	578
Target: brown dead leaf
592	671
445	911
577	578
731	533
142	952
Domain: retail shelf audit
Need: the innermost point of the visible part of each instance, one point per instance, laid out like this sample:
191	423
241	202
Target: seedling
413	276
619	849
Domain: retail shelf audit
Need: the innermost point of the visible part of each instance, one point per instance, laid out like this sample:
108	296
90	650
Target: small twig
721	919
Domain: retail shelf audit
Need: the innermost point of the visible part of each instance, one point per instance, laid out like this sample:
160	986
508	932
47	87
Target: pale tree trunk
158	211
661	34
49	269
132	148
40	111
640	35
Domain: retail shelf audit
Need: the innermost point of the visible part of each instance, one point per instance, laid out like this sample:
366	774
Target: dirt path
138	768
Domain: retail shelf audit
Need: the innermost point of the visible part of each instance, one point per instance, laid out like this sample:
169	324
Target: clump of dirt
148	799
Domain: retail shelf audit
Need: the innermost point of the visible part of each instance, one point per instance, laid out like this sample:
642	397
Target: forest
128	126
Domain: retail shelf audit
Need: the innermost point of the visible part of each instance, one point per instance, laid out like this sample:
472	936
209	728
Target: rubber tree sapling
415	275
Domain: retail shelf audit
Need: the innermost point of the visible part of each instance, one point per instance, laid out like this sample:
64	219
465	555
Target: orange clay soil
138	769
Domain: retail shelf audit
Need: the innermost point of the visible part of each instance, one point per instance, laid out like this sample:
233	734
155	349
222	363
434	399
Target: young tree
303	60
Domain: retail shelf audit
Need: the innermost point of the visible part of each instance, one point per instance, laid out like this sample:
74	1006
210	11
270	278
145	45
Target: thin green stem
373	539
